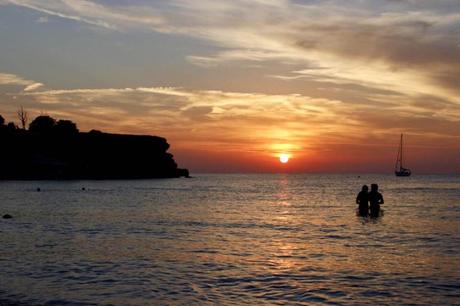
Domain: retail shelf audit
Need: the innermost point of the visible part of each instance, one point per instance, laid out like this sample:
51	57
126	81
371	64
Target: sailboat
399	169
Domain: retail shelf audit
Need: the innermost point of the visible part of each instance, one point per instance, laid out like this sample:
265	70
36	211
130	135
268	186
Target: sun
284	158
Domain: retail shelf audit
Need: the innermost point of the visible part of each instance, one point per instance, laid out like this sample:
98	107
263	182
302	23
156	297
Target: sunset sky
232	84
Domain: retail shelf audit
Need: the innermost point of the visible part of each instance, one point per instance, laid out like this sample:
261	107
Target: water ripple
230	240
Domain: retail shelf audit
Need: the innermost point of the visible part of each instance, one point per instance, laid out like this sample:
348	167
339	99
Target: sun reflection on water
245	239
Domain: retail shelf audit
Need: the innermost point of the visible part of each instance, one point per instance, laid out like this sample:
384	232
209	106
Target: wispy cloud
12	79
210	116
92	13
373	68
411	45
252	123
33	86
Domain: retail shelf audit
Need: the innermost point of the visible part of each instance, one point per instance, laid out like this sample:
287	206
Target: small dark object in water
7	216
38	190
83	188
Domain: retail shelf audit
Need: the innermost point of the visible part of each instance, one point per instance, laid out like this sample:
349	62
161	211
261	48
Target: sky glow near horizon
232	84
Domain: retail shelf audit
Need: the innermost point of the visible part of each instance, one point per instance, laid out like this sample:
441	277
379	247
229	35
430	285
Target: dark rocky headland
56	150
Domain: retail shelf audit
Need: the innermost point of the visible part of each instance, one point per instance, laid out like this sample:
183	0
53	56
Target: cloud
43	19
60	9
92	13
373	69
213	118
411	44
33	86
251	123
12	79
198	112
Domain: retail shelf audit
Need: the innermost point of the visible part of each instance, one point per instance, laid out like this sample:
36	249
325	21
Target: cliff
60	151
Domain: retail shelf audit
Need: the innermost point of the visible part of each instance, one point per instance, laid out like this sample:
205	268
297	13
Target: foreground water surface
230	239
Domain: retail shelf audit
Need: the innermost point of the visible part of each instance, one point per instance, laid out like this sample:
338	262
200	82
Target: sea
230	239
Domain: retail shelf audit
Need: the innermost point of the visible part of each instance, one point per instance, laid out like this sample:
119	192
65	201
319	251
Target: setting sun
284	158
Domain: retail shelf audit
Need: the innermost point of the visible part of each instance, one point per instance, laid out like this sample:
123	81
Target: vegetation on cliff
55	149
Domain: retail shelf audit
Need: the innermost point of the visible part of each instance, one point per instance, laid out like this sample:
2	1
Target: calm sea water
230	239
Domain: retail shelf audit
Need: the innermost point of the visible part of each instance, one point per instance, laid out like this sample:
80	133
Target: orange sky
233	84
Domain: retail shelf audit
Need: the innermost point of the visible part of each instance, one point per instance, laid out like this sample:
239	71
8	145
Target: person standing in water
363	201
375	199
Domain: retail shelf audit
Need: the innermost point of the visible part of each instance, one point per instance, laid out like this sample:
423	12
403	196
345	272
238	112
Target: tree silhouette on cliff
23	117
55	149
66	127
42	124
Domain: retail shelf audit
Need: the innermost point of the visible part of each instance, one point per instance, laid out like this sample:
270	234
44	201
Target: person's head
374	187
365	188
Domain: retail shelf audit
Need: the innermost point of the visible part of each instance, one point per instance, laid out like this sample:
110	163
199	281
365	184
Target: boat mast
401	148
399	161
399	156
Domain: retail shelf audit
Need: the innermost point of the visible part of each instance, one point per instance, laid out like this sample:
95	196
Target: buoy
7	216
38	190
83	188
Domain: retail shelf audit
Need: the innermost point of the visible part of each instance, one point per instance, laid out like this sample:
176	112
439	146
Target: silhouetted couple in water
369	202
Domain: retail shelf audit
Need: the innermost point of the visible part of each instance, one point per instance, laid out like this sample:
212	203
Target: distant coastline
56	150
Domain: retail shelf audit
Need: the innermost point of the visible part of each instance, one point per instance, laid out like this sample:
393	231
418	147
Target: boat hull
402	173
